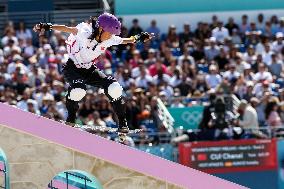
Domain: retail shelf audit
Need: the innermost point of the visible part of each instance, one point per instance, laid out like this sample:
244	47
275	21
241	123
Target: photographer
213	125
248	120
214	120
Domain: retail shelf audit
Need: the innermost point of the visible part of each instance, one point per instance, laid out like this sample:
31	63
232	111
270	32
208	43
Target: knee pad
77	91
114	90
77	94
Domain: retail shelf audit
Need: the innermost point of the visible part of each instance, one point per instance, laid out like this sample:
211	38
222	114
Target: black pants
94	77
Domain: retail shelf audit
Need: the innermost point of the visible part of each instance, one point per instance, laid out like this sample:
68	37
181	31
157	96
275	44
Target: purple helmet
109	23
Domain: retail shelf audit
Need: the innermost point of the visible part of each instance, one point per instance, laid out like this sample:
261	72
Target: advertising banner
229	156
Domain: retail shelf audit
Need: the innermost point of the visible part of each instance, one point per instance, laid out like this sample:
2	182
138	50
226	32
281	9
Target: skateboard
104	129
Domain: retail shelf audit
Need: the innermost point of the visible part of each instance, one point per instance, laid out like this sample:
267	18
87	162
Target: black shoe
122	127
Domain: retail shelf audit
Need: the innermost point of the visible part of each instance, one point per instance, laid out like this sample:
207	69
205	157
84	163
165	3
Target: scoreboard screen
229	156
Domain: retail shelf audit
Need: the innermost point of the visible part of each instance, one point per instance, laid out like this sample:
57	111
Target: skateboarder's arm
42	27
64	28
136	38
128	40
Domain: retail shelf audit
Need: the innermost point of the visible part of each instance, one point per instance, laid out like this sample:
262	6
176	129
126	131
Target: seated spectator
154	29
185	86
173	66
161	77
275	66
185	56
266	55
262	74
136	72
278	44
175	79
231	25
250	55
126	79
271	114
177	102
244	25
9	36
151	58
260	22
135	29
23	33
213	79
153	69
186	35
17	62
220	32
212	50
143	80
222	59
135	59
172	37
231	74
261	87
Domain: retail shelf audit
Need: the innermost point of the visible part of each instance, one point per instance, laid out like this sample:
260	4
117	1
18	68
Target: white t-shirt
220	34
263	76
80	47
213	80
143	82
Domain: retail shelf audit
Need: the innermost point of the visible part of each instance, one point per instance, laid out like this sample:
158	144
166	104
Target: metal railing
165	117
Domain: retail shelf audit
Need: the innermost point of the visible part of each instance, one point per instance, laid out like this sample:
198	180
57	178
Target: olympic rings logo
192	117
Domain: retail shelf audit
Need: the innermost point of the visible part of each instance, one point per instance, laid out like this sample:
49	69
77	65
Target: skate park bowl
38	149
4	171
74	179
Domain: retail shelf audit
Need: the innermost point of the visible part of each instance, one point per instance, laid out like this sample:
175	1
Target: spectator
236	39
124	30
172	37
248	118
23	33
135	29
214	23
275	66
151	58
231	25
186	56
153	69
279	43
222	59
9	36
262	74
177	101
213	79
143	80
186	35
244	25
154	29
271	114
232	74
212	50
220	32
260	22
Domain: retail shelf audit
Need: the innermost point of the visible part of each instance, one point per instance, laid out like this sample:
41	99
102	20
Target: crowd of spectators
244	59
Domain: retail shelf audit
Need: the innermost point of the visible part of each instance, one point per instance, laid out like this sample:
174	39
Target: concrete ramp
38	148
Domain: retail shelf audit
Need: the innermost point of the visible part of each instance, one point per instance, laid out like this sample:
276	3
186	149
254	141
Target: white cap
279	34
212	67
247	66
48	97
46	46
30	101
212	39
